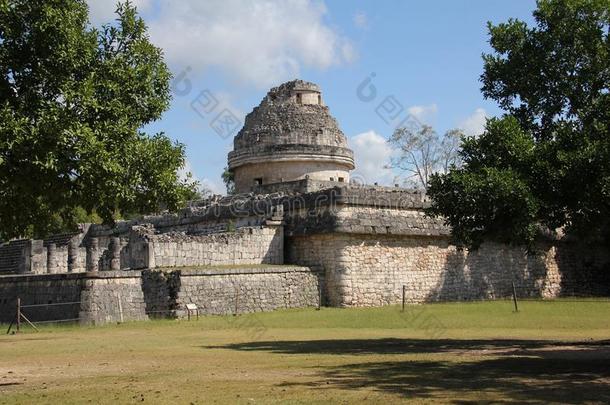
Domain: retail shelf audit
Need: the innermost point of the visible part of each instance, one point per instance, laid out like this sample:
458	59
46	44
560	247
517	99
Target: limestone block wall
40	290
122	296
204	225
113	296
57	261
231	290
90	298
23	256
55	258
248	245
370	270
51	255
278	172
12	256
160	290
380	220
70	261
257	240
34	258
306	185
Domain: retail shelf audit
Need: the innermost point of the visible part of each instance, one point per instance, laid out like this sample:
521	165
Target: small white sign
191	307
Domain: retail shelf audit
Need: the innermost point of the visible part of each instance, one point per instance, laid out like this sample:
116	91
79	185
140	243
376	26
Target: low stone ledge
230	270
390	230
114	274
70	276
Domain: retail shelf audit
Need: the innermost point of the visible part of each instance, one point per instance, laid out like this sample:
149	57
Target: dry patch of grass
547	353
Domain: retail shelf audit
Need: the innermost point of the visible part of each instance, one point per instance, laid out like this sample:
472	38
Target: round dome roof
291	122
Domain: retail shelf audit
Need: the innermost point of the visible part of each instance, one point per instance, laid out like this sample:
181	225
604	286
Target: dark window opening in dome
299	98
258	181
332	179
341	180
319	99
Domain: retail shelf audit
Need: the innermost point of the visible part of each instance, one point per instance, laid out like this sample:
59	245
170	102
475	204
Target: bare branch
423	152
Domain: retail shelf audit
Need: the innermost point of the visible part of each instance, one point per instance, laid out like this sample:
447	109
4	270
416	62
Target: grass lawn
549	352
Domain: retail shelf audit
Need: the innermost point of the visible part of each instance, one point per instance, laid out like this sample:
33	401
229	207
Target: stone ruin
290	136
296	234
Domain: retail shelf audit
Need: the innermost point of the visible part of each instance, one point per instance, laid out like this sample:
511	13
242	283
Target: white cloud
185	170
205	183
226	100
361	20
213	186
262	42
425	114
475	123
102	11
371	153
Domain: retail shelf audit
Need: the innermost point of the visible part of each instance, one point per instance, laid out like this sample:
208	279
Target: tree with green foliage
228	178
546	163
73	100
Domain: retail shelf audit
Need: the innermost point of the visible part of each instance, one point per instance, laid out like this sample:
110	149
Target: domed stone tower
290	136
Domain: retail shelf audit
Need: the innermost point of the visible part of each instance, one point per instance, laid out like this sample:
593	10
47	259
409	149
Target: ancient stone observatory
290	136
304	235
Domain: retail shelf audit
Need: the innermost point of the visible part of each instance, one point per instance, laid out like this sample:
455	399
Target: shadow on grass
404	346
518	371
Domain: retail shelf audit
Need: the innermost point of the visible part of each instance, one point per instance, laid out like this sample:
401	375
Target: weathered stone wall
58	254
89	298
104	249
113	296
369	242
57	259
366	242
306	185
278	172
231	290
370	270
23	256
251	245
12	256
40	290
121	296
160	291
215	220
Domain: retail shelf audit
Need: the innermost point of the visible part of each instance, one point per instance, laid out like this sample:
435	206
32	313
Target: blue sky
226	54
